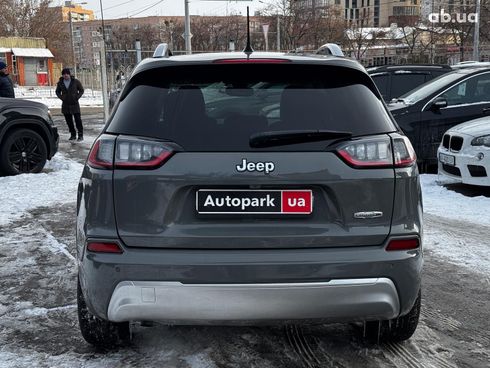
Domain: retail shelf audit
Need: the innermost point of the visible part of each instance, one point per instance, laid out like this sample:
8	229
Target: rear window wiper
285	137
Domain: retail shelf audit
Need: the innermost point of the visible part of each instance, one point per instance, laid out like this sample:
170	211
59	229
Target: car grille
477	171
445	141
451	170
456	143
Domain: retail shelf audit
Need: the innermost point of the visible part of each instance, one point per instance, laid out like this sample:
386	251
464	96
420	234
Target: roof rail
162	50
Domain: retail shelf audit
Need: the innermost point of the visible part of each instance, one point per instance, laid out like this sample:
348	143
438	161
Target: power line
115	6
143	10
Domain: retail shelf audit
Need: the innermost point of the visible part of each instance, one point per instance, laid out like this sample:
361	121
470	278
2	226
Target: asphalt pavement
39	328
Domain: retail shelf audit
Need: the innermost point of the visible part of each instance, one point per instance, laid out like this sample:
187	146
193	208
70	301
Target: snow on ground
57	184
47	96
453	225
440	201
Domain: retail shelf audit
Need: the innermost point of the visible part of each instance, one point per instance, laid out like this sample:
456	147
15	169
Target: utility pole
187	29
476	37
72	44
137	46
103	63
278	33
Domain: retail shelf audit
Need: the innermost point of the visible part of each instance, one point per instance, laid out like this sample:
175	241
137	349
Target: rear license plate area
254	202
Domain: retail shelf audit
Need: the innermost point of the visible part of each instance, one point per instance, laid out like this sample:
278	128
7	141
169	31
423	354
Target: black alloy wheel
23	151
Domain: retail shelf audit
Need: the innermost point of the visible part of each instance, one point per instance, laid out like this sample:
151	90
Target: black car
425	113
396	80
27	136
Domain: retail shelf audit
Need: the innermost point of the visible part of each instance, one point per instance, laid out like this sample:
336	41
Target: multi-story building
405	12
369	13
74	12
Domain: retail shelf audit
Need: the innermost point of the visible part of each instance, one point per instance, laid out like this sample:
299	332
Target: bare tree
303	26
359	38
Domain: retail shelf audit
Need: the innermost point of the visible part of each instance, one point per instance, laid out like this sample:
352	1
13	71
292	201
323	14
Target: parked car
396	80
28	136
471	64
464	153
425	113
210	197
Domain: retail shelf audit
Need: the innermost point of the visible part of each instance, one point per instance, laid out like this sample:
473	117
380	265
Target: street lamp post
72	44
103	64
476	37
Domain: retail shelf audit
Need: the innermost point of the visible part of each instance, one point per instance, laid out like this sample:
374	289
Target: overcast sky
142	8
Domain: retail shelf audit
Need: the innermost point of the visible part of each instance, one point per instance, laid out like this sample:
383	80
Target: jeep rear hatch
189	173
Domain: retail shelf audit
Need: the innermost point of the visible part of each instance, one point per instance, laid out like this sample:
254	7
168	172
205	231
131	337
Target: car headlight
484	140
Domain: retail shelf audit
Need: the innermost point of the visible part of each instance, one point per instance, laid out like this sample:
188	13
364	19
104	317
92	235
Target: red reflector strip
251	61
403	244
104	248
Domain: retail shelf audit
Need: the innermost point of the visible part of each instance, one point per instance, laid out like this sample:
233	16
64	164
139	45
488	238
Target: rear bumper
338	284
174	302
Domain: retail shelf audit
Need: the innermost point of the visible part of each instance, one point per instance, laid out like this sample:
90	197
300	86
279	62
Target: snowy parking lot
38	319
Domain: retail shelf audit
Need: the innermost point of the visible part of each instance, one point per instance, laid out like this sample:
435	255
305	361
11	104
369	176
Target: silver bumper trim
174	302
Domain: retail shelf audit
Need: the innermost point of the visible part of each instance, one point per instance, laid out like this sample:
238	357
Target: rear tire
23	151
395	330
98	332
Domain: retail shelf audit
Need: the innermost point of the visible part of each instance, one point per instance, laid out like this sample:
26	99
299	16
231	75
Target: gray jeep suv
263	188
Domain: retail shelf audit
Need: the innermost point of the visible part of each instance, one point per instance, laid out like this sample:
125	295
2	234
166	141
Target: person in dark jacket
69	90
6	85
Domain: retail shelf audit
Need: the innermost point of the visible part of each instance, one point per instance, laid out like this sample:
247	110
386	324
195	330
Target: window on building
41	66
354	4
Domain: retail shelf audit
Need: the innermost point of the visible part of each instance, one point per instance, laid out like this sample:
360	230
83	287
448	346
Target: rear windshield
218	107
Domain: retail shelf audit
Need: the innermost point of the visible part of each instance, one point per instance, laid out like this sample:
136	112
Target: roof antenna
248	49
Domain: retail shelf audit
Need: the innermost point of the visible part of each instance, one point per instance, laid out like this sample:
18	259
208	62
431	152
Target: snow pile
57	184
47	96
440	201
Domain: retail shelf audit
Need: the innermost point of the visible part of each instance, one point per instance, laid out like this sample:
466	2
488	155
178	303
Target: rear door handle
486	110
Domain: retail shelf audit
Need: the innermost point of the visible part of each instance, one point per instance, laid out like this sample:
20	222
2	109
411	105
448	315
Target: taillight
140	154
104	247
403	152
403	244
367	152
130	153
377	152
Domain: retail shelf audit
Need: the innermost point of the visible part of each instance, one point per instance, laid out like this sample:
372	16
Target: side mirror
439	103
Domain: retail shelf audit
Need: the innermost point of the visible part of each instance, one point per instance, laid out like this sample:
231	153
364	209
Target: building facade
73	12
29	62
